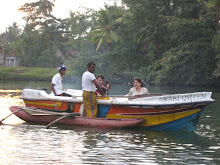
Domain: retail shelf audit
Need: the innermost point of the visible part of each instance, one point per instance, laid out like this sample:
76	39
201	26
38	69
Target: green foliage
104	31
48	58
39	49
188	59
187	64
216	47
102	65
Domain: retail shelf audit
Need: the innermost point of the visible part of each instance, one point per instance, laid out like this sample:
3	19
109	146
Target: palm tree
104	32
45	7
13	32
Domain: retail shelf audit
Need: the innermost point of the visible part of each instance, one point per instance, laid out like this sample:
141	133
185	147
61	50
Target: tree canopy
165	42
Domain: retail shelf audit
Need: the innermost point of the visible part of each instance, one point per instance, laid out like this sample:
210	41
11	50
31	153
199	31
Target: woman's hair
139	80
107	82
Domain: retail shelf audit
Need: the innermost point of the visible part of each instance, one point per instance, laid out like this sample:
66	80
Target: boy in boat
89	85
56	84
100	79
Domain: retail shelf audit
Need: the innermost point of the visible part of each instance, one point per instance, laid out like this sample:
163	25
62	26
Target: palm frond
103	17
95	32
114	36
100	42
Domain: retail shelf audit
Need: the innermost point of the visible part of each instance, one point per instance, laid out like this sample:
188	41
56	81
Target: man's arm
98	87
52	88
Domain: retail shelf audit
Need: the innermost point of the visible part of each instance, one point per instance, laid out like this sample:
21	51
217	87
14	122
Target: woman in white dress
138	88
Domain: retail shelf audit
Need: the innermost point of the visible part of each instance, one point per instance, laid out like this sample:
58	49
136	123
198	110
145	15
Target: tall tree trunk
108	47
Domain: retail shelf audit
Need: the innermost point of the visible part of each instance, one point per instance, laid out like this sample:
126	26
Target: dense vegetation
165	42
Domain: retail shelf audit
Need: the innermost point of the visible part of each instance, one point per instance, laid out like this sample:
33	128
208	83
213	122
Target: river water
21	145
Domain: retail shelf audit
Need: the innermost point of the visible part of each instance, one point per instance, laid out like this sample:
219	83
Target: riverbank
37	74
46	74
26	74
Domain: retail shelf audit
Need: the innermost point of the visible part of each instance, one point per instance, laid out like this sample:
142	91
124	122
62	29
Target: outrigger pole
20	109
62	117
10	115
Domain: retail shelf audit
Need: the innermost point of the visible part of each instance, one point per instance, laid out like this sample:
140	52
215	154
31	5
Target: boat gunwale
126	104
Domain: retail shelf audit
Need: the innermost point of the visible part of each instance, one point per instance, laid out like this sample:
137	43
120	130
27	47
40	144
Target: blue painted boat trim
103	110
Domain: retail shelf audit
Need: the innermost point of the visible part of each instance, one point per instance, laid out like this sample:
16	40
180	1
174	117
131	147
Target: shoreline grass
27	74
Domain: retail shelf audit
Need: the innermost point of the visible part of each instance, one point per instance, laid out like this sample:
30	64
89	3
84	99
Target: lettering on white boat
183	98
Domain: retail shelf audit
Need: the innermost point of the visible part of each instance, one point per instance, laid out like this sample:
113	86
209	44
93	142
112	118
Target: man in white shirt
56	84
89	86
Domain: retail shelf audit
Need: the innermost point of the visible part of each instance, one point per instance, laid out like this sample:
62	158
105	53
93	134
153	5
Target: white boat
161	112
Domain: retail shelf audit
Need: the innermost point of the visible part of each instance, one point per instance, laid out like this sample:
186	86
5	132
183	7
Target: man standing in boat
56	84
89	85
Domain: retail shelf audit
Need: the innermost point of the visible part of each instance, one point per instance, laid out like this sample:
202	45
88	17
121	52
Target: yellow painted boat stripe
57	104
151	120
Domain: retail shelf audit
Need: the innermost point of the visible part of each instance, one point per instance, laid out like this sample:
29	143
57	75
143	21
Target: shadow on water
141	136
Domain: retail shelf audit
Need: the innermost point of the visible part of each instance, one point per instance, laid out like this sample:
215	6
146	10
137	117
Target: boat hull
159	118
79	121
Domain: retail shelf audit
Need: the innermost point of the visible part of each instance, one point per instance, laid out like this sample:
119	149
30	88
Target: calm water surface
23	145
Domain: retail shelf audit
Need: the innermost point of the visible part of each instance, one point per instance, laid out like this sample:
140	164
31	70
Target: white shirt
87	84
57	81
133	91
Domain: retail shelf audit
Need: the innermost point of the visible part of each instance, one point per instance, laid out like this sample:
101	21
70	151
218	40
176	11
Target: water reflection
9	98
144	147
6	147
36	146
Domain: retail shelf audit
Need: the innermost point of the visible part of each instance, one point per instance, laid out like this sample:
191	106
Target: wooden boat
161	112
42	116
